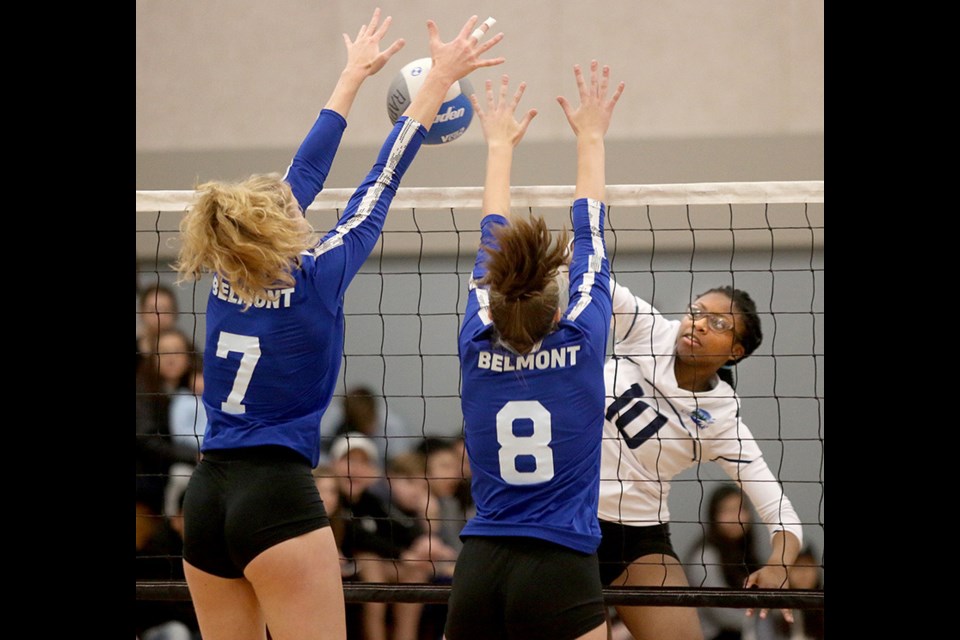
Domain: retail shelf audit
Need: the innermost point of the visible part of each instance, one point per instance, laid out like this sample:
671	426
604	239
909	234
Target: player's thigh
227	608
298	585
658	623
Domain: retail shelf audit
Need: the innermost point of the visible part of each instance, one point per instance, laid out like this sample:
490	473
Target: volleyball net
667	243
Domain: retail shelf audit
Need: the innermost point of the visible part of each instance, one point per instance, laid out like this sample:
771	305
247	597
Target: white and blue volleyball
455	113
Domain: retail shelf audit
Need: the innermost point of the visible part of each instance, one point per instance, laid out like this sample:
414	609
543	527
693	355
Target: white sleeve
631	322
741	458
768	498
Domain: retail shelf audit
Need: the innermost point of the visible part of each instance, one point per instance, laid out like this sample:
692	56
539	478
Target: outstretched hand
498	121
462	55
592	117
769	577
363	52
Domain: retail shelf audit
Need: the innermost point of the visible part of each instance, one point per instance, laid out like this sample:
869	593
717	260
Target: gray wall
717	90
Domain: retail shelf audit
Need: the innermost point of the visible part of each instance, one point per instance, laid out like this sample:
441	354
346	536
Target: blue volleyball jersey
534	422
270	371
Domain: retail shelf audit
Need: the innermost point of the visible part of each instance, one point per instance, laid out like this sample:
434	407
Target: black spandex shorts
512	587
241	502
622	544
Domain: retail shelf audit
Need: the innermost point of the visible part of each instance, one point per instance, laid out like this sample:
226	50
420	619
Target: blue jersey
270	371
534	421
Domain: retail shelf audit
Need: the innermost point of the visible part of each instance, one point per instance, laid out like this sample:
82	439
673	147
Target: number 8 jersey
533	422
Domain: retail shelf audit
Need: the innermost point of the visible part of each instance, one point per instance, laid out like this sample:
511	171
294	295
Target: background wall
717	90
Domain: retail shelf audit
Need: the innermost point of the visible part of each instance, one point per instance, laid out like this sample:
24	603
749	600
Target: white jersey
654	429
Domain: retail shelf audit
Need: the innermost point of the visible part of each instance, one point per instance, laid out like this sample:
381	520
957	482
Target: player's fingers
486	46
593	78
372	25
490	62
504	83
578	76
476	105
616	94
489	84
468	27
518	94
347	41
482	29
787	615
432	31
530	115
398	44
604	80
382	31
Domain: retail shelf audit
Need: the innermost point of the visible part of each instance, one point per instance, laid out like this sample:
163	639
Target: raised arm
502	132
450	62
590	122
364	59
310	166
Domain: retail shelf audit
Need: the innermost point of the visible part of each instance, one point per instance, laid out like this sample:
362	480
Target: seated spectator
328	484
805	573
723	558
158	377
386	532
361	410
159	557
156	312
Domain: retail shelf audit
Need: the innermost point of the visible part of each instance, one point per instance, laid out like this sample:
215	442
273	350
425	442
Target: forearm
786	547
496	188
427	102
345	91
591	170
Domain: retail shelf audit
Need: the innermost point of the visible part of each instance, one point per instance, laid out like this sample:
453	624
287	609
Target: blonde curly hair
250	233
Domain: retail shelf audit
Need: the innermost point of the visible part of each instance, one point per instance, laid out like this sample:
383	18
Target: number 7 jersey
533	422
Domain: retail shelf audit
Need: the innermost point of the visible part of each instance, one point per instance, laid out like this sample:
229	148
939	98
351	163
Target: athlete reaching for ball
532	348
258	548
668	409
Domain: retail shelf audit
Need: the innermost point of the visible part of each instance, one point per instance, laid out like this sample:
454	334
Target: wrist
353	74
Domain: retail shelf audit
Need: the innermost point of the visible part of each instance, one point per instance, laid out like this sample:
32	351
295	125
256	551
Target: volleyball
455	113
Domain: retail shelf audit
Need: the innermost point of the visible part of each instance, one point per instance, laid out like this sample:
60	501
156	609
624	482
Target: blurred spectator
157	311
361	410
445	478
386	535
188	418
328	484
723	558
158	376
159	557
806	573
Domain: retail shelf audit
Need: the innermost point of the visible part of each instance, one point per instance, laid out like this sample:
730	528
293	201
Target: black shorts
514	587
622	544
241	502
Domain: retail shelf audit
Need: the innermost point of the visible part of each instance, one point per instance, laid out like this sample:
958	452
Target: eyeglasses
716	321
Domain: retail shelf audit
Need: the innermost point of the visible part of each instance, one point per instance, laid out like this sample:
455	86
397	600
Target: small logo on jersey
701	418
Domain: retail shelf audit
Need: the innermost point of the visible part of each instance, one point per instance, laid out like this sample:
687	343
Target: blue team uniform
534	422
270	371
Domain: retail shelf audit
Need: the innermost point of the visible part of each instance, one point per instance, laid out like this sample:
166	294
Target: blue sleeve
359	227
591	303
309	168
487	239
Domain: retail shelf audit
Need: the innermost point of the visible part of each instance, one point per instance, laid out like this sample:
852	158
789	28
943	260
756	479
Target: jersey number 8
535	446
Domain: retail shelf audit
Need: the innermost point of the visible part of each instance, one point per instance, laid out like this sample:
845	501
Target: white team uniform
654	429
